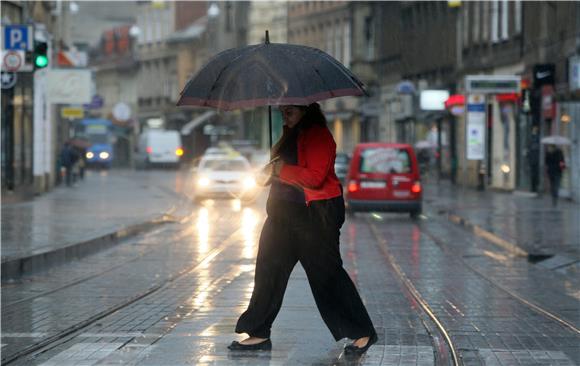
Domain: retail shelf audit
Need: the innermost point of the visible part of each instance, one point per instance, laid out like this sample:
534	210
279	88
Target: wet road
172	296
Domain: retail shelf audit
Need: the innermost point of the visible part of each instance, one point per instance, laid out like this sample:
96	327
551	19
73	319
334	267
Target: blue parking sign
18	37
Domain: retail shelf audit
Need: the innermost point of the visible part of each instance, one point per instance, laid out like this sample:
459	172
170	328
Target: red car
384	177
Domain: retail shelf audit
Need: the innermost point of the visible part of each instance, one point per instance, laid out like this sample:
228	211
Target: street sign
18	37
15	61
8	79
11	61
72	113
492	84
121	111
475	128
96	103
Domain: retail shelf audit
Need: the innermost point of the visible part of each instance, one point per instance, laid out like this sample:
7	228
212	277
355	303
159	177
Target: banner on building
475	128
69	86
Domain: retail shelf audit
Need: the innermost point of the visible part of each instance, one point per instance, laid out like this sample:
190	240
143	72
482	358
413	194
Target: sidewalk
527	226
70	222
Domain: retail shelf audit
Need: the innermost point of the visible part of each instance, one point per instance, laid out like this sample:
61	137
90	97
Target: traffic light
40	56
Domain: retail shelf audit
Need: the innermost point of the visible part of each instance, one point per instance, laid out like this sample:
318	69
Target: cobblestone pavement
106	201
529	222
172	296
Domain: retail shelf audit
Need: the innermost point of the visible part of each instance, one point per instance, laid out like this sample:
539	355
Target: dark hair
313	116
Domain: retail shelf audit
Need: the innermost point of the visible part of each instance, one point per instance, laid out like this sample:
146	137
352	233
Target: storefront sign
492	84
72	113
574	72
548	105
544	74
475	128
433	100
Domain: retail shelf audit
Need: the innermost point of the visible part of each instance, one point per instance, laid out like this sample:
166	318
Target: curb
17	267
489	236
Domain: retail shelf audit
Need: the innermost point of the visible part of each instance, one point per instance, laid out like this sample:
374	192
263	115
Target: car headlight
90	155
249	182
203	182
104	155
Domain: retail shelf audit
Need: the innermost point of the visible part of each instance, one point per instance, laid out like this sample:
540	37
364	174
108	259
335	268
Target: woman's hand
271	170
264	176
277	167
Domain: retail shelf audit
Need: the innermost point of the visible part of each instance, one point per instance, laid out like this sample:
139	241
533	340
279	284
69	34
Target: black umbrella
269	74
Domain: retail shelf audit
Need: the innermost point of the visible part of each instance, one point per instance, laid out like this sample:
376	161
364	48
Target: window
337	41
494	21
346	57
385	160
485	21
518	16
466	25
476	21
224	165
504	19
369	37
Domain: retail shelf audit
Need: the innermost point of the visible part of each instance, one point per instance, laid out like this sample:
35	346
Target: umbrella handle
270	124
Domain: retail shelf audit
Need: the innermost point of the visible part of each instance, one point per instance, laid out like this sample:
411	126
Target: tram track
55	338
444	348
448	251
528	303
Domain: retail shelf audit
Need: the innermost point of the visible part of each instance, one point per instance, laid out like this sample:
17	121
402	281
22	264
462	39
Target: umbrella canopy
79	142
555	140
424	144
269	74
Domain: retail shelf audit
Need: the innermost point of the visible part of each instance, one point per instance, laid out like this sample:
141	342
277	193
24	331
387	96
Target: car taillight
179	152
149	150
416	188
353	186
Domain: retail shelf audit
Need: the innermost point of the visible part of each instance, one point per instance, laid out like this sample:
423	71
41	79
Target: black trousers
555	180
310	235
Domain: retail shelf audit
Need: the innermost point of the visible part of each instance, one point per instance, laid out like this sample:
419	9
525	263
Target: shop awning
186	130
507	97
455	99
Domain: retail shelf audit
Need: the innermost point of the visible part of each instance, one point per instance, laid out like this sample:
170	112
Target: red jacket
315	170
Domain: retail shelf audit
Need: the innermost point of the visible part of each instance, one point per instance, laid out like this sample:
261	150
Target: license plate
401	194
373	184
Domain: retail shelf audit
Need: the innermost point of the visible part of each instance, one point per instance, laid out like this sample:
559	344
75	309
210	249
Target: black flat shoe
351	349
262	346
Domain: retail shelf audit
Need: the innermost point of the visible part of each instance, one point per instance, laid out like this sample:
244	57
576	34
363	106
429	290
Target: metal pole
439	148
465	136
270	124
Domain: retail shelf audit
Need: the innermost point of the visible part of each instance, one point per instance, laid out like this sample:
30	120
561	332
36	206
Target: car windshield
385	160
224	165
98	139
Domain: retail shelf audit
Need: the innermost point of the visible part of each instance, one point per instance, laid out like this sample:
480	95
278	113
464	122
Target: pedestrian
68	158
82	161
534	159
305	213
555	165
424	158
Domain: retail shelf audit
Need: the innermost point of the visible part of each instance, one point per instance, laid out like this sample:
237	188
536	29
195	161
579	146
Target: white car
225	177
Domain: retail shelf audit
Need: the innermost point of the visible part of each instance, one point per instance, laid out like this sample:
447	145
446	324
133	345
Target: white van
159	147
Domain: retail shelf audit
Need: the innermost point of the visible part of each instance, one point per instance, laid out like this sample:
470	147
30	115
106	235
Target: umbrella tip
267	37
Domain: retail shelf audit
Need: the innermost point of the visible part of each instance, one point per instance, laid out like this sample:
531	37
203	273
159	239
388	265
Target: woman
305	212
